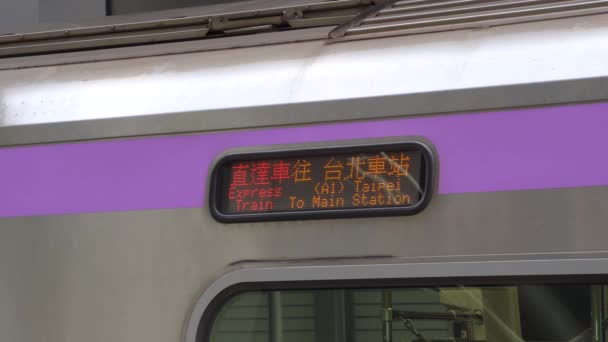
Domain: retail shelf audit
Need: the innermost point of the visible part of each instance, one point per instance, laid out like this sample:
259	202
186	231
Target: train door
537	312
511	309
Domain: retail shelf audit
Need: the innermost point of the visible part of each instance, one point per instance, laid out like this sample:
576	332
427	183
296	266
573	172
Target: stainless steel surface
327	21
571	91
128	276
107	40
231	7
525	65
411	2
172	29
167	48
438	4
398	13
136	276
220	24
449	5
95	30
357	20
463	14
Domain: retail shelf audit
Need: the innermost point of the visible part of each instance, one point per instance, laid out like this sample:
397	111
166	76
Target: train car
305	171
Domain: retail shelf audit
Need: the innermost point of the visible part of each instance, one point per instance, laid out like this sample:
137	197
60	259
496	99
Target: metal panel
413	18
400	13
107	40
169	48
141	271
172	29
556	62
570	91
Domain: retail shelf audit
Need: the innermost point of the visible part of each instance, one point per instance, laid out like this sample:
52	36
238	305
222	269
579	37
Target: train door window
518	313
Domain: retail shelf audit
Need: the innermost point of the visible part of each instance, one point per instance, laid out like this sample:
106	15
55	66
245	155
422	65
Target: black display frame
427	179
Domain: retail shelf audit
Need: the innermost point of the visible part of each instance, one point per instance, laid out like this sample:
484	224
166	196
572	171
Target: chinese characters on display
329	182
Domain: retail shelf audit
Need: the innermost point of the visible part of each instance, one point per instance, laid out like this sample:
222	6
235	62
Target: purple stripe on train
552	147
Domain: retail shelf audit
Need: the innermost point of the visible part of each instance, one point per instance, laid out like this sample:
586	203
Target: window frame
336	275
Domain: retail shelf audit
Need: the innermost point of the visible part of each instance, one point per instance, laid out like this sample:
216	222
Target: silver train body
105	230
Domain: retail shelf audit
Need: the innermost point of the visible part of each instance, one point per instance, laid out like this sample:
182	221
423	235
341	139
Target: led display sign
370	180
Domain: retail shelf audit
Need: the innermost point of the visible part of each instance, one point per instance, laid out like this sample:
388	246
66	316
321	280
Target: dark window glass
461	313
